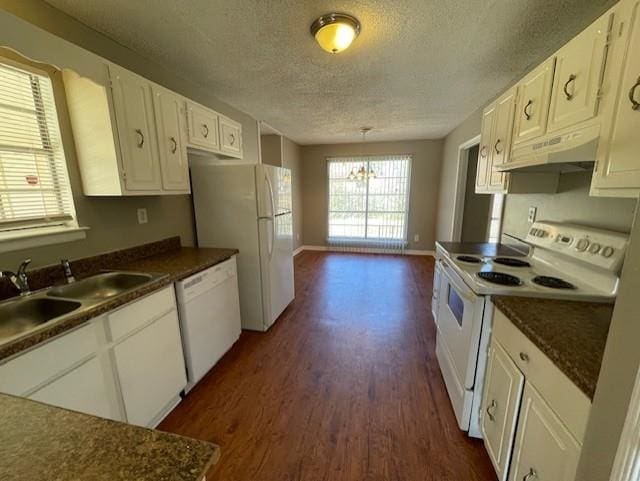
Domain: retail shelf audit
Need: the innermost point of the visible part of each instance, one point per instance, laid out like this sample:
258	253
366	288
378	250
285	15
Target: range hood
572	151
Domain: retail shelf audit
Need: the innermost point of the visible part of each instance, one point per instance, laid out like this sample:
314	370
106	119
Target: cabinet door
502	137
500	405
230	137
174	165
151	369
485	154
618	163
578	76
84	389
203	127
136	130
544	449
534	97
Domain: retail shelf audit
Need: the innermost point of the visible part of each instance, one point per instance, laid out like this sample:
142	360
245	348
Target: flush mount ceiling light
334	32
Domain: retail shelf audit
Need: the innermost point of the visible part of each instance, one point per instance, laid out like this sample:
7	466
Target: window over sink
369	200
35	194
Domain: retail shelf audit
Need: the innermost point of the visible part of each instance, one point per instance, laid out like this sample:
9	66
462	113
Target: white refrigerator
249	207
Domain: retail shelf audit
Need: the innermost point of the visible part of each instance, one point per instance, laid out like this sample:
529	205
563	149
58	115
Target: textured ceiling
417	69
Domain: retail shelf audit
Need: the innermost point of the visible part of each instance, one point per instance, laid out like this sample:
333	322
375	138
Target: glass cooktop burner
552	282
469	259
511	262
500	278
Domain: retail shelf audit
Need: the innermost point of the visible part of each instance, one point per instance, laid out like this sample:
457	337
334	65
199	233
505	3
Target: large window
34	184
369	199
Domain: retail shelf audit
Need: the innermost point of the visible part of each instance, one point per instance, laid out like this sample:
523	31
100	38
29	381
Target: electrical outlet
416	238
142	216
532	214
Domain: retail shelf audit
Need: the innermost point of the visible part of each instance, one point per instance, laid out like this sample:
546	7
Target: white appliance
564	261
209	311
249	207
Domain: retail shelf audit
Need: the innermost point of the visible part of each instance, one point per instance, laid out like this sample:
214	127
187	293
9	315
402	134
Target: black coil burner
511	262
469	259
500	278
552	282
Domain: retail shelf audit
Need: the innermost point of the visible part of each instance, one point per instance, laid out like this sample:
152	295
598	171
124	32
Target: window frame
366	241
24	234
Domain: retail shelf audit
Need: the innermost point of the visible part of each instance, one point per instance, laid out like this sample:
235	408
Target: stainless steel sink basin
23	314
101	286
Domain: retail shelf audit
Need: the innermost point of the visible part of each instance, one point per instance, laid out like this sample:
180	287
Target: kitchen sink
101	286
23	314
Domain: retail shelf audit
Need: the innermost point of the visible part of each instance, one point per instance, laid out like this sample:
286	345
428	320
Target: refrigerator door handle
272	200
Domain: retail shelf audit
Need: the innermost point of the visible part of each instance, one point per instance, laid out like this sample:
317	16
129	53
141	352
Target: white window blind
34	184
369	201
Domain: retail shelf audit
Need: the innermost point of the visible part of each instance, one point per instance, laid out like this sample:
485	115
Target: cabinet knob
140	135
635	105
495	147
205	130
483	151
232	139
175	145
532	474
491	410
527	111
568	95
524	356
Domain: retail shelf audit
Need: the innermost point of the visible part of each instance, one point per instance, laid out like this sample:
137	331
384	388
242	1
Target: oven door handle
454	279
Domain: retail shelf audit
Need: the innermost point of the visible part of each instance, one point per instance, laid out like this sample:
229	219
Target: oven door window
456	305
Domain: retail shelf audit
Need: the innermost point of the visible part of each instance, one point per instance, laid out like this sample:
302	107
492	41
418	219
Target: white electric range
564	261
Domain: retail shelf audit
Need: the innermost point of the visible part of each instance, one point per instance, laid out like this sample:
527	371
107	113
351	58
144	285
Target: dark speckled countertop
40	442
167	257
572	334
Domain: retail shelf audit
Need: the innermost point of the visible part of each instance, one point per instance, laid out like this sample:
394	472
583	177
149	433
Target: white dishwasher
209	308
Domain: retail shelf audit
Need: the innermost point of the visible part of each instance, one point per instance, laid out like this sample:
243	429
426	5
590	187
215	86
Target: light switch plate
532	214
416	238
142	216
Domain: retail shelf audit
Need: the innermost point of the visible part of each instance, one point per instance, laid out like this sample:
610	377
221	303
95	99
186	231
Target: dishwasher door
209	309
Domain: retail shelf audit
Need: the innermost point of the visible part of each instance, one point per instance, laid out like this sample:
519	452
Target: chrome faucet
68	273
19	279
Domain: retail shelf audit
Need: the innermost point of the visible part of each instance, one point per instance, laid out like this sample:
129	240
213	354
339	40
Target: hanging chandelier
361	174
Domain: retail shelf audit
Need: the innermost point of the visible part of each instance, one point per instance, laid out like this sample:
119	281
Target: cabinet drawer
140	312
203	127
564	397
28	371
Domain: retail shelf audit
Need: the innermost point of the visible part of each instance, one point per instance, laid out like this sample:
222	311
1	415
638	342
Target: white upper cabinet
203	127
532	108
174	166
485	154
500	404
578	76
230	137
544	448
136	128
617	170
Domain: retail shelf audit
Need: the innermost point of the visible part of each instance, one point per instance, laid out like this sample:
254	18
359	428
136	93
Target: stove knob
607	252
582	245
595	248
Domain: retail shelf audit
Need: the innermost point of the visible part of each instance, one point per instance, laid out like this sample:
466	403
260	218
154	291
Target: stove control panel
599	247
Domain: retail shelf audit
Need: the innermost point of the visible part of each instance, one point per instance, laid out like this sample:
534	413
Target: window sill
44	236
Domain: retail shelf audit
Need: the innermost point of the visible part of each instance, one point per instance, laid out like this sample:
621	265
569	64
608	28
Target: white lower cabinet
126	365
82	389
151	370
533	416
501	401
544	449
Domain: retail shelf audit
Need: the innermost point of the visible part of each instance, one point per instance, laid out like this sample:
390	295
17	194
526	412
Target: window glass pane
368	197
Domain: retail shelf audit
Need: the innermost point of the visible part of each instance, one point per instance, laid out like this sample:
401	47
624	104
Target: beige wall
571	203
292	159
425	175
112	221
617	374
448	176
271	149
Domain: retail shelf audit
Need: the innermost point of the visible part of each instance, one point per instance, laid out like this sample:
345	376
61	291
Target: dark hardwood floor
344	387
